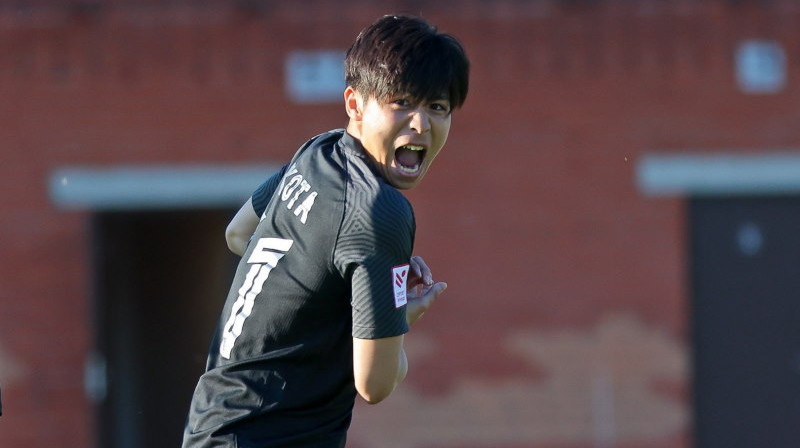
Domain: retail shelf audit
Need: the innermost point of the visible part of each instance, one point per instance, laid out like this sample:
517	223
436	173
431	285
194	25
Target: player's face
401	136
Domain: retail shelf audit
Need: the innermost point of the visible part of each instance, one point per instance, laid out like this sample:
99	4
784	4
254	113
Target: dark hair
404	54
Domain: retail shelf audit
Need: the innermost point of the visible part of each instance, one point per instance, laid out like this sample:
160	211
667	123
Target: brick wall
562	274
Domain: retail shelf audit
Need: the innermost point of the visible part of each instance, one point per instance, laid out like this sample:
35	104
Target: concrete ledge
719	174
155	187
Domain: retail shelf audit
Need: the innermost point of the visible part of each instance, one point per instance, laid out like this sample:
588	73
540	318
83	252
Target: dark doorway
746	321
161	280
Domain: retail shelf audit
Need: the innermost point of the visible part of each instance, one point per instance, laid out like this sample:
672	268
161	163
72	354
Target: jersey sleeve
264	192
373	252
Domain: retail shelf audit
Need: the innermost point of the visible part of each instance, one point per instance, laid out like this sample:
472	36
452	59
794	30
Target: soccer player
327	285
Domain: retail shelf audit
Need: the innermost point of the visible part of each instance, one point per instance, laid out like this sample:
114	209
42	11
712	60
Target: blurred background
616	213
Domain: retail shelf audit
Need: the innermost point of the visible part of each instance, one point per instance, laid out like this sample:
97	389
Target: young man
327	286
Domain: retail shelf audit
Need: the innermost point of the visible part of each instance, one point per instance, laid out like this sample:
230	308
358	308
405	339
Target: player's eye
441	106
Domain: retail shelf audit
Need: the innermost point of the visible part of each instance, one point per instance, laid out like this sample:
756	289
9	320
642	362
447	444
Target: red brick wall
561	272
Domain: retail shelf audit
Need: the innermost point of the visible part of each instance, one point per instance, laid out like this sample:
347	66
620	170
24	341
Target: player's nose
420	121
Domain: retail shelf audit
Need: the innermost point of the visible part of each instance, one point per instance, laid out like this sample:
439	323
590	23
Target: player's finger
415	269
422	270
418	306
433	292
438	289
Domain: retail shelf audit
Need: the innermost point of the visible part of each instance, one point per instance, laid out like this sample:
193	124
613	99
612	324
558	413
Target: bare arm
379	365
241	228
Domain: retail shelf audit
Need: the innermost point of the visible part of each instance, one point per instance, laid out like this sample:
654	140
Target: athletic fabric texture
263	193
317	272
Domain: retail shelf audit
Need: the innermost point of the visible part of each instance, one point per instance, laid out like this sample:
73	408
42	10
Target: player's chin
404	185
405	181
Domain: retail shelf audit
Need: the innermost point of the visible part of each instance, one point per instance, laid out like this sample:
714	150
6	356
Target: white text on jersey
292	187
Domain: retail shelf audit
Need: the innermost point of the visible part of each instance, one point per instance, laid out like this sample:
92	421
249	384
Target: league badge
400	284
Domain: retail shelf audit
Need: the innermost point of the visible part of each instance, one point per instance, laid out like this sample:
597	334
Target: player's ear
353	103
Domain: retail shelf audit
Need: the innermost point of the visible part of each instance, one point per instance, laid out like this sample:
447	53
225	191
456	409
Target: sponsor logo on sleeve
400	284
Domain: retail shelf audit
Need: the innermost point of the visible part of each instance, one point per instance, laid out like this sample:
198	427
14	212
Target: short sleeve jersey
326	263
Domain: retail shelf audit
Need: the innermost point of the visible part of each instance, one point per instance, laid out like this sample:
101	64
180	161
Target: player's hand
422	290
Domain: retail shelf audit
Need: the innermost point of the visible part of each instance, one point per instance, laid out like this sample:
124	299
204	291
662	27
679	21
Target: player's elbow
379	365
376	392
235	239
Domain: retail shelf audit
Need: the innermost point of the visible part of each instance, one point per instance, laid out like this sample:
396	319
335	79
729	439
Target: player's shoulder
324	140
378	205
318	158
377	215
362	175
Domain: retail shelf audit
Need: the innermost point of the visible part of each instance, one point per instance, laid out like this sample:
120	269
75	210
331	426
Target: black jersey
326	263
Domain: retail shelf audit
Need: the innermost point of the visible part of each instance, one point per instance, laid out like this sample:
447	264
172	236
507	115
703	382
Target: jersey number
265	256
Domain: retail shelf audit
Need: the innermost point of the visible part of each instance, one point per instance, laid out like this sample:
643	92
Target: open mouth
408	158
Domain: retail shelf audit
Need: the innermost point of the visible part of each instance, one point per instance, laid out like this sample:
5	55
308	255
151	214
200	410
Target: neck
354	129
